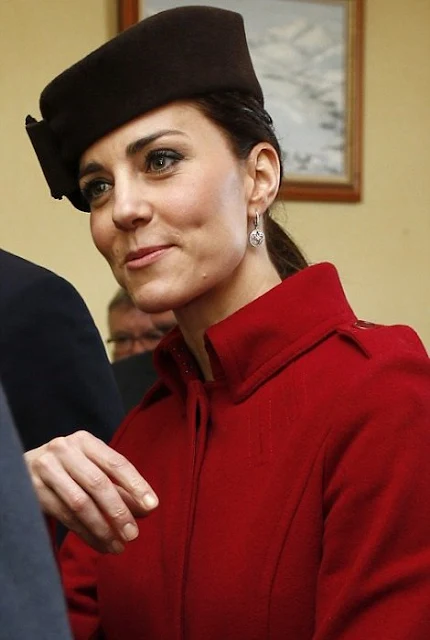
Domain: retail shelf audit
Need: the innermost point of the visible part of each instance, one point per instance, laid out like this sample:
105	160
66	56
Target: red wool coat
294	488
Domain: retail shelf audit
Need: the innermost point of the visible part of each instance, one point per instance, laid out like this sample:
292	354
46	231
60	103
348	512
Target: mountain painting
299	50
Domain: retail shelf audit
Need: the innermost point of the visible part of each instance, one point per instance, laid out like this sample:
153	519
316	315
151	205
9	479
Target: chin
149	301
160	294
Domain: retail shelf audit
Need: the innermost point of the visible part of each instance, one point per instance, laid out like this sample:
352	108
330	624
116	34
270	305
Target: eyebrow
131	150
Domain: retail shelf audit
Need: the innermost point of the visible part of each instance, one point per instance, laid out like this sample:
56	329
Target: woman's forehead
177	119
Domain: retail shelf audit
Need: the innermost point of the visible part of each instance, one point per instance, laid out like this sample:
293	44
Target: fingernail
130	531
150	501
116	547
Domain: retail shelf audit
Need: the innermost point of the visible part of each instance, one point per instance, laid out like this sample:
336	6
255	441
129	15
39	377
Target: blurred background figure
134	334
31	605
132	331
134	376
53	365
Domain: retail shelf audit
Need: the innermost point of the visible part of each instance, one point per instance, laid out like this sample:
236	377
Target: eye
154	335
162	160
119	339
94	189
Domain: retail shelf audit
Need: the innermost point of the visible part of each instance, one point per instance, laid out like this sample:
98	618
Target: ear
264	170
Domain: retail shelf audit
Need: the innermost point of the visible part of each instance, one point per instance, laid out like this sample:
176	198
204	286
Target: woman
287	442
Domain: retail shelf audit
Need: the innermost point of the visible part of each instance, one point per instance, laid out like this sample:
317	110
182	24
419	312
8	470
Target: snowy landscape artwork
299	50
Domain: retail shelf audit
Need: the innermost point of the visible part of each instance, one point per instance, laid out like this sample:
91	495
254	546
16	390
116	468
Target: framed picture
308	56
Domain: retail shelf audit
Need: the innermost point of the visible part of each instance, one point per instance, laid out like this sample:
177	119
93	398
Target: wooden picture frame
316	100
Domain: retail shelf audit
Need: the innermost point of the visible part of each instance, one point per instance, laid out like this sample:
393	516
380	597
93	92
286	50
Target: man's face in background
132	331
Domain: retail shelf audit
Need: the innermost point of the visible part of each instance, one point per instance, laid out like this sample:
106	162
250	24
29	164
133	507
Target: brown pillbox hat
173	55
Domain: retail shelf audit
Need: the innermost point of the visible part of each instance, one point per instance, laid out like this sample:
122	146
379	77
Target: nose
138	347
130	205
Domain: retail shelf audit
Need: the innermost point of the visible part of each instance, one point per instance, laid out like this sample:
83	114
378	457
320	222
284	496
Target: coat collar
256	341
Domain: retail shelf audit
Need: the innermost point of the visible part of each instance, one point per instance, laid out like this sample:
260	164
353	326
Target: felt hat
175	54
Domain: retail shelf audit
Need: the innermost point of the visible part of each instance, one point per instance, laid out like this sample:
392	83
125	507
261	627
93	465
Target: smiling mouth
144	257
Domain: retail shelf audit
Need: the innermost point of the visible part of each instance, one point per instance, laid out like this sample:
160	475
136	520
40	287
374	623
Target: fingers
118	469
103	540
92	489
64	499
135	508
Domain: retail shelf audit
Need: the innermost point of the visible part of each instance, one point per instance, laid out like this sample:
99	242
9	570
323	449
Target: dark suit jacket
53	364
134	376
31	603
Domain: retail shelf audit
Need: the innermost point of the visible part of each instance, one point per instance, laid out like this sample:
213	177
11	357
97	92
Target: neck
217	304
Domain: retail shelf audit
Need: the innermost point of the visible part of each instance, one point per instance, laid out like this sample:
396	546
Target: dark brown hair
247	123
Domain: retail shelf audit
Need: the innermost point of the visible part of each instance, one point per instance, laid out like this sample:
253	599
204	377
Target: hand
92	489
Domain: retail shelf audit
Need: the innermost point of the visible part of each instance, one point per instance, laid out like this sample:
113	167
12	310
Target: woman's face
169	206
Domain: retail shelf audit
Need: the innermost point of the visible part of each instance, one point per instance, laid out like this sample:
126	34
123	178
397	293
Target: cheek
101	234
213	199
217	216
219	244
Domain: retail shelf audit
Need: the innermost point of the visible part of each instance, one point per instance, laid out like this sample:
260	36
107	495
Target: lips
145	255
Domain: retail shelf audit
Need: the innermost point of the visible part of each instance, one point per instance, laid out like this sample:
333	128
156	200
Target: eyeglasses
125	342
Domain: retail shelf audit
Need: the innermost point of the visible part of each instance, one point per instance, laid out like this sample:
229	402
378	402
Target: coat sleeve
31	604
374	579
57	375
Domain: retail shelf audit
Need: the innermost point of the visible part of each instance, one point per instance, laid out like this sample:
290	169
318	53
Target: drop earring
256	237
